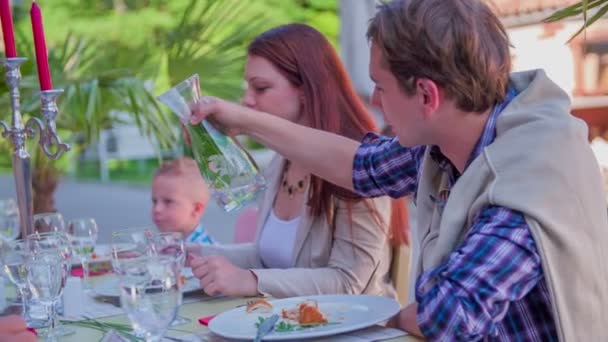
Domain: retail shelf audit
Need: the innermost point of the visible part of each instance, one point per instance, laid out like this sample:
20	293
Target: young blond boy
179	198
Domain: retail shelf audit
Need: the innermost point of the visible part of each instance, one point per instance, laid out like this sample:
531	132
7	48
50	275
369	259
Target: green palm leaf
91	97
203	43
584	7
104	87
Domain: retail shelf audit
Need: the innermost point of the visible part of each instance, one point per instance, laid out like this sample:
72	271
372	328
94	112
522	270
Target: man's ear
430	95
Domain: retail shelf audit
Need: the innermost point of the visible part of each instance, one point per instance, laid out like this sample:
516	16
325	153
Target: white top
277	241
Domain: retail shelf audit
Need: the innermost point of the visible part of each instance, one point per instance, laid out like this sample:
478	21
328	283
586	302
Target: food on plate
258	305
305	313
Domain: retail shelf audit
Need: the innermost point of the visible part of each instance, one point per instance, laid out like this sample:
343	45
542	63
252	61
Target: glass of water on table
47	270
171	244
150	295
82	234
13	256
51	222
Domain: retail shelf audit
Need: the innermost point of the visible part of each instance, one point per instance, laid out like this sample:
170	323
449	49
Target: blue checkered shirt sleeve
383	167
467	297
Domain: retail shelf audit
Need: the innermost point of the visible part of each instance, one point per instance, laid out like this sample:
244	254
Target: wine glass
82	234
150	295
49	222
47	270
171	244
14	254
53	222
9	220
128	245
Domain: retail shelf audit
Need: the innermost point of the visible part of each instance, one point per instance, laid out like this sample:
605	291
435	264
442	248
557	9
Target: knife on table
266	327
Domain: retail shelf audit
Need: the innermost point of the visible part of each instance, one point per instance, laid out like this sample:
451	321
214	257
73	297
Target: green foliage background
104	51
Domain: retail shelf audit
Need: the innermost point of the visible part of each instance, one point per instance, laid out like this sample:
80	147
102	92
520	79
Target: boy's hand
218	276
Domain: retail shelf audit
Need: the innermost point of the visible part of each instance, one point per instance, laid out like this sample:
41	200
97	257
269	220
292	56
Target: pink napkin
33	331
205	320
78	272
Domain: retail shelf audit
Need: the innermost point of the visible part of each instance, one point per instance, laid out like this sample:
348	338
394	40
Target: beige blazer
350	261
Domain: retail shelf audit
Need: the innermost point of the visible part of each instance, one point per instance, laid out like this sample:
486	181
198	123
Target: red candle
7	29
42	60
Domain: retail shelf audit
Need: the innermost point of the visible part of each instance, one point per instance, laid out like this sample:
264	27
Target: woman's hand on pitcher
229	117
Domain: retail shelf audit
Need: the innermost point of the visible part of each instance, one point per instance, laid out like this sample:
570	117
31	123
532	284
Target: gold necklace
291	189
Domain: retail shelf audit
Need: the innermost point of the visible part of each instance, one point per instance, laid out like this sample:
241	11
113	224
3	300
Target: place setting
307	317
128	246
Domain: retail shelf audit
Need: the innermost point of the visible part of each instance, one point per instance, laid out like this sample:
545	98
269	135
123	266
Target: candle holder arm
6	131
47	137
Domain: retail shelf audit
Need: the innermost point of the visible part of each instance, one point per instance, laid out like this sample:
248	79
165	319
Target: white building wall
552	54
354	47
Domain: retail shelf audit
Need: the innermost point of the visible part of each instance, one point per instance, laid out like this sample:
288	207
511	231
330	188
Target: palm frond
92	97
203	43
584	8
103	88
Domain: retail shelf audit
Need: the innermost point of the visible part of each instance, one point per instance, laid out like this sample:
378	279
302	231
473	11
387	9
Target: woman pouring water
312	237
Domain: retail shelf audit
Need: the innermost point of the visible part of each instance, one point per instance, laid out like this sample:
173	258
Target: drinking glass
232	174
171	244
49	222
52	222
14	254
150	295
82	234
47	270
130	245
9	220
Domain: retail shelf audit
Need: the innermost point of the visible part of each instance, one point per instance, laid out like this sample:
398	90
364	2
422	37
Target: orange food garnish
305	313
182	280
311	315
257	304
94	256
291	314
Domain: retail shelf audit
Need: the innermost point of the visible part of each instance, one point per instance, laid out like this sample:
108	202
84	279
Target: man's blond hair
187	171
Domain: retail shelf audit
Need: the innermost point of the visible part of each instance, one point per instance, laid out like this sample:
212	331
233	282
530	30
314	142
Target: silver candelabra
18	132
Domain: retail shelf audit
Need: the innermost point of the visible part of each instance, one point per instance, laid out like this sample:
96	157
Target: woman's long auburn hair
307	59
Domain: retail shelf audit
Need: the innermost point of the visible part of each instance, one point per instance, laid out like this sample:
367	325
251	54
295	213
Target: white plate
344	312
110	287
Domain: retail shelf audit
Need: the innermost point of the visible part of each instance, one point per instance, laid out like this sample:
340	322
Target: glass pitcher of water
232	175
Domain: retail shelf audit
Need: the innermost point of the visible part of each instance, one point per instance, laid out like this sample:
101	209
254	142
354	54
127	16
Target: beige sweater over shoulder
541	165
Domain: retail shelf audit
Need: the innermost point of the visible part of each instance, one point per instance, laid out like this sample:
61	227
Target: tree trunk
44	184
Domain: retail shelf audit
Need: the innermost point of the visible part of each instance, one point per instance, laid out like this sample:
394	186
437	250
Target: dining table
193	309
